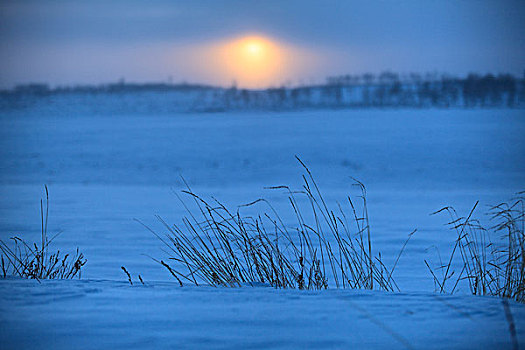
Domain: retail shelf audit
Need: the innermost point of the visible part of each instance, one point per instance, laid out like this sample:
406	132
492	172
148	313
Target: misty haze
240	175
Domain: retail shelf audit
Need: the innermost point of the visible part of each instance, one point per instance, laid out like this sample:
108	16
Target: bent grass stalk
221	247
490	268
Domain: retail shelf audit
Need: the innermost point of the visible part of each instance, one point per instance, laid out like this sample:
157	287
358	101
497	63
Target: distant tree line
38	89
387	89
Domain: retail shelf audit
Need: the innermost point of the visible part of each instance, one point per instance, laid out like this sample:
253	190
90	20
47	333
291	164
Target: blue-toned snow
104	170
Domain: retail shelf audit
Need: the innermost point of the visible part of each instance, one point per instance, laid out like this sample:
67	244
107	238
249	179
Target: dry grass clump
36	262
221	247
490	268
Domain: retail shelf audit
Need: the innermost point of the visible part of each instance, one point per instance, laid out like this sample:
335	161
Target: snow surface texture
91	314
104	170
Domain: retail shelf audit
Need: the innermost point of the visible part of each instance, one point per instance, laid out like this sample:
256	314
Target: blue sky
74	42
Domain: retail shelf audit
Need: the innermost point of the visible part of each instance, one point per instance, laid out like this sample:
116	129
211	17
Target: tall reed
490	267
34	261
326	247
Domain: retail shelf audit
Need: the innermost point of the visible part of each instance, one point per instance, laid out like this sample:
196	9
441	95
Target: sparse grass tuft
35	262
490	268
221	247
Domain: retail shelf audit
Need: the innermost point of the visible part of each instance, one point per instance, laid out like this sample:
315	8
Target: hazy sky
74	42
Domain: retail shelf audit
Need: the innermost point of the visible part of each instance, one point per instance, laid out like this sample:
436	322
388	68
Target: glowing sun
253	60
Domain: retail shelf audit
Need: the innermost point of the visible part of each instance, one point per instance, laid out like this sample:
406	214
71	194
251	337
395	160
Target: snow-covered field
93	314
104	170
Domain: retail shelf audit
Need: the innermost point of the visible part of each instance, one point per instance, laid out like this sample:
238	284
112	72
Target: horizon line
351	79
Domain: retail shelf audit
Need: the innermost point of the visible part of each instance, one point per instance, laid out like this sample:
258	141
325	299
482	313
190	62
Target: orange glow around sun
252	61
